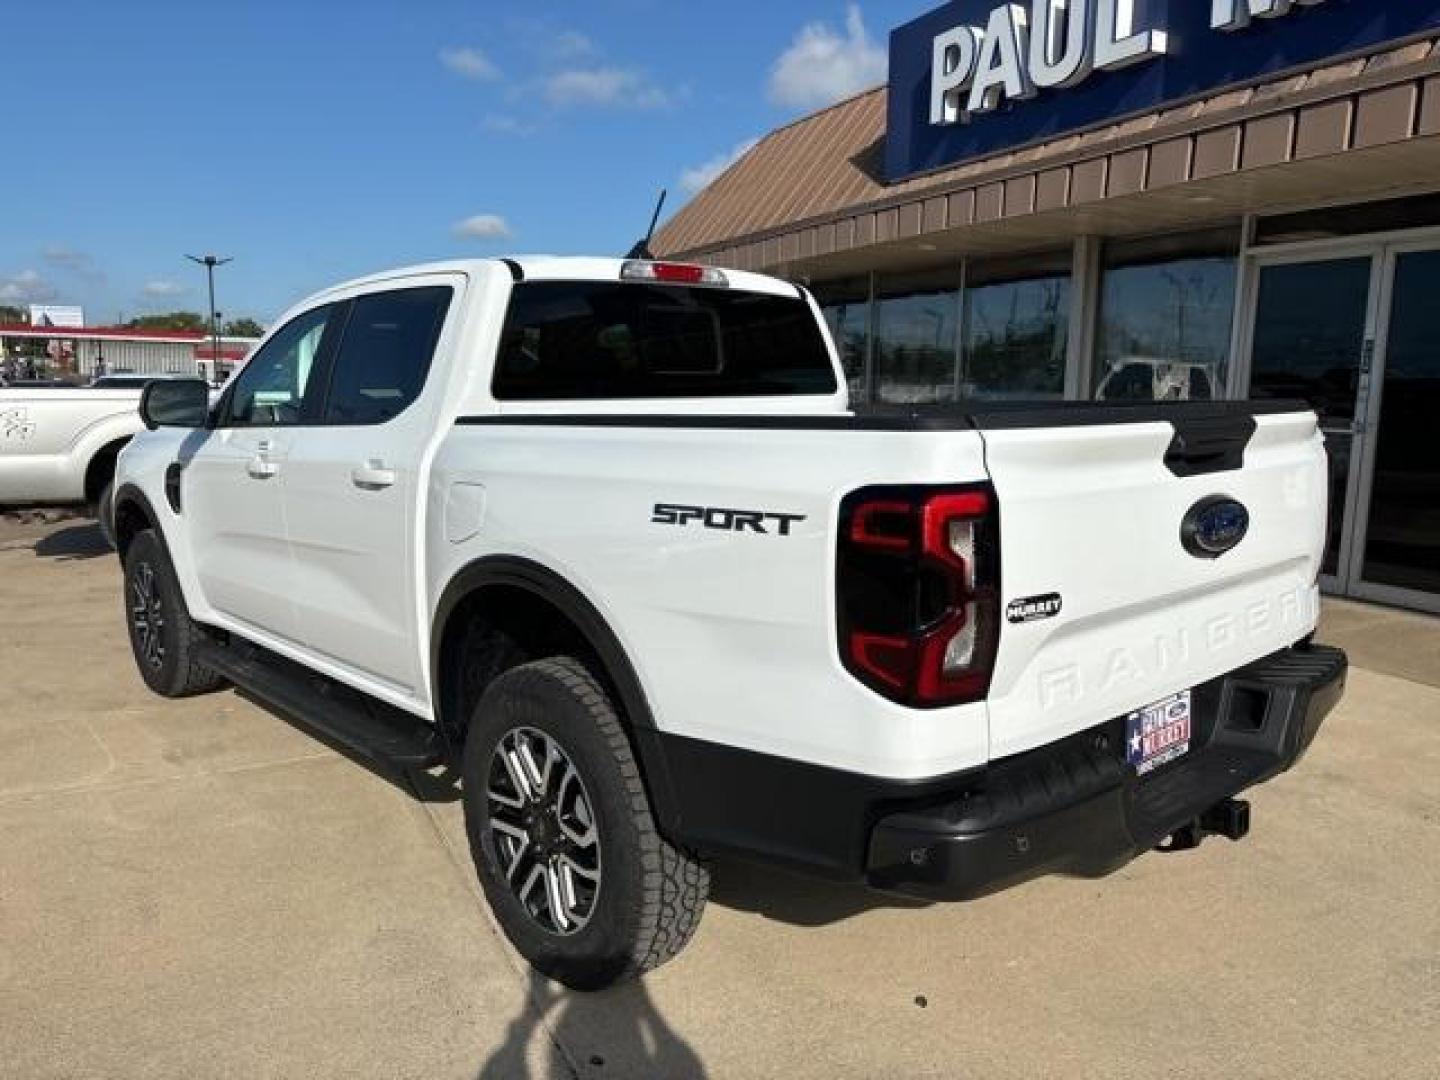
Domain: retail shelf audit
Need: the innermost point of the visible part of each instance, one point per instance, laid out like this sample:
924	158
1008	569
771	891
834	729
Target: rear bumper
1075	807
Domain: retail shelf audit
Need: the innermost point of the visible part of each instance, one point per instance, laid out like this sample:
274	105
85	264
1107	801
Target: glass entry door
1356	333
1396	550
1312	338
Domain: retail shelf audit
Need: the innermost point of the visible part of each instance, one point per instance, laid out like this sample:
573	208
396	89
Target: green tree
9	313
174	320
243	327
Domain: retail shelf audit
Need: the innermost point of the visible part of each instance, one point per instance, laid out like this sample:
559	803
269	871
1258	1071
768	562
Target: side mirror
183	403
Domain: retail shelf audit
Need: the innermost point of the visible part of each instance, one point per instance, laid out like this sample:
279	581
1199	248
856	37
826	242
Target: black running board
372	729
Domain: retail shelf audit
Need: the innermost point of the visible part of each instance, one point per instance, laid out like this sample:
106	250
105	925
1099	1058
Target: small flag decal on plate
1159	733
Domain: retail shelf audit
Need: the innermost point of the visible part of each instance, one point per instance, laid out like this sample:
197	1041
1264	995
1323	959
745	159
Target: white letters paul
1054	44
1050	44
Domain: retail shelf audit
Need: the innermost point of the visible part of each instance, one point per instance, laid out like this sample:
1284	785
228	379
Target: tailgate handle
1208	445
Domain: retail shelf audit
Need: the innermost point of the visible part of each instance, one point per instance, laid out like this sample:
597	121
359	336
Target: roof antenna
641	250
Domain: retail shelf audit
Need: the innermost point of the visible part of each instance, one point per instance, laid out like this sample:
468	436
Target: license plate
1158	734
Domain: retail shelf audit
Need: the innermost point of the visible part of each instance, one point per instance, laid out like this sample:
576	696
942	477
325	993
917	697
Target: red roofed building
117	349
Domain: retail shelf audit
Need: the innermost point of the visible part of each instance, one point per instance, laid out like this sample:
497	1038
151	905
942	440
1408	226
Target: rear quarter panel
732	633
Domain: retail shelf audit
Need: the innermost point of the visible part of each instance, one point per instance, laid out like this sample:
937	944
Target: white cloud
505	124
604	87
702	176
164	290
571	44
483	227
26	287
821	66
470	63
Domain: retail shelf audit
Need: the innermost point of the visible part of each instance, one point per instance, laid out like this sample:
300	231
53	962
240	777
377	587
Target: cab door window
278	381
384	354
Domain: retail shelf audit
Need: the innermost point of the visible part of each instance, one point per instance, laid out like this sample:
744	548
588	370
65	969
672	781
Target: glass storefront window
1166	309
1016	330
846	306
916	336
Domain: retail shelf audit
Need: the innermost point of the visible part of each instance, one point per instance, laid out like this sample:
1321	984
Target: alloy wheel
542	824
147	614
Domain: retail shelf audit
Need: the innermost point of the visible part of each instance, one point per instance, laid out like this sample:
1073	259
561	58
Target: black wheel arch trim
538	579
130	494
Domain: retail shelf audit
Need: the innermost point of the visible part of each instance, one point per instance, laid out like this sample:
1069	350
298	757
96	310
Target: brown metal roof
813	187
802	170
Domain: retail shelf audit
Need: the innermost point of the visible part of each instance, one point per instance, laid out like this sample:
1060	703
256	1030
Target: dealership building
1119	199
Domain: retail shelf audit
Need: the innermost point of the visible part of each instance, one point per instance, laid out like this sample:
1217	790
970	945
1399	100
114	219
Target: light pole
210	262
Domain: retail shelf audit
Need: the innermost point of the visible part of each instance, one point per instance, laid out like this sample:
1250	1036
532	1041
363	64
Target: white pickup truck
59	444
608	536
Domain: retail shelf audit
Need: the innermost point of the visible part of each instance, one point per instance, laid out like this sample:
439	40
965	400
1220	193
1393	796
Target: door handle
260	469
372	476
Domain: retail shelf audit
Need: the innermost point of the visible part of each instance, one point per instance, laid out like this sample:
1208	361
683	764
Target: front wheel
562	835
163	637
104	514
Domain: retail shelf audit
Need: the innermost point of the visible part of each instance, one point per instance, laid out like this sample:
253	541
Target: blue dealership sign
978	76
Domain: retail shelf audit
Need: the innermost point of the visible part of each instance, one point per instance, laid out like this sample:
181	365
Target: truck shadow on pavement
759	888
617	1032
80	541
788	897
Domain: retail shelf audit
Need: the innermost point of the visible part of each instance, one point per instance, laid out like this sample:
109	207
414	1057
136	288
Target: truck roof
557	268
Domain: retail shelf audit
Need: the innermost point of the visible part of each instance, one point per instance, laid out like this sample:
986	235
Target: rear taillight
918	590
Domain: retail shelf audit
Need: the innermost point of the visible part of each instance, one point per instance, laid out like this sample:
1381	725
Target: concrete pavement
200	889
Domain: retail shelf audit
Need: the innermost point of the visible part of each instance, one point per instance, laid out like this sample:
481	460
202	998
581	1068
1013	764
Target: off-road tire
104	513
651	893
172	670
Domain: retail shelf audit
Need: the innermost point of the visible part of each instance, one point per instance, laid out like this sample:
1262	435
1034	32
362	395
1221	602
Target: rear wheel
163	637
562	835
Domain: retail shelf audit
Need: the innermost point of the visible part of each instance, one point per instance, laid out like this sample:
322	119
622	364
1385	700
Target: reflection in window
1015	335
1165	320
916	335
846	305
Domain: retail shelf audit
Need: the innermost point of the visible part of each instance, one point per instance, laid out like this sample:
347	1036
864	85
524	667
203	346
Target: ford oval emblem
1214	526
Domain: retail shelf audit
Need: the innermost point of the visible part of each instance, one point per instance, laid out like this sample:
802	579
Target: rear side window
383	358
566	340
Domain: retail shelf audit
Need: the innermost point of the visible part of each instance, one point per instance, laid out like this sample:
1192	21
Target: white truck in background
58	445
608	537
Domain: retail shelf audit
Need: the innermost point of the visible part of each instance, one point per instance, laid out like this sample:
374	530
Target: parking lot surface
200	888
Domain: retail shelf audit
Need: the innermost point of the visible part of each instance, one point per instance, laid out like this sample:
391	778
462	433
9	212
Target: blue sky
314	140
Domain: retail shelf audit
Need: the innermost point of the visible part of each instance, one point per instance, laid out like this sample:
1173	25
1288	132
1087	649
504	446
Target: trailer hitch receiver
1229	818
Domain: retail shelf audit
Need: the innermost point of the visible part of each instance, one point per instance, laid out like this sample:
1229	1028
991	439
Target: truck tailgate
1105	610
